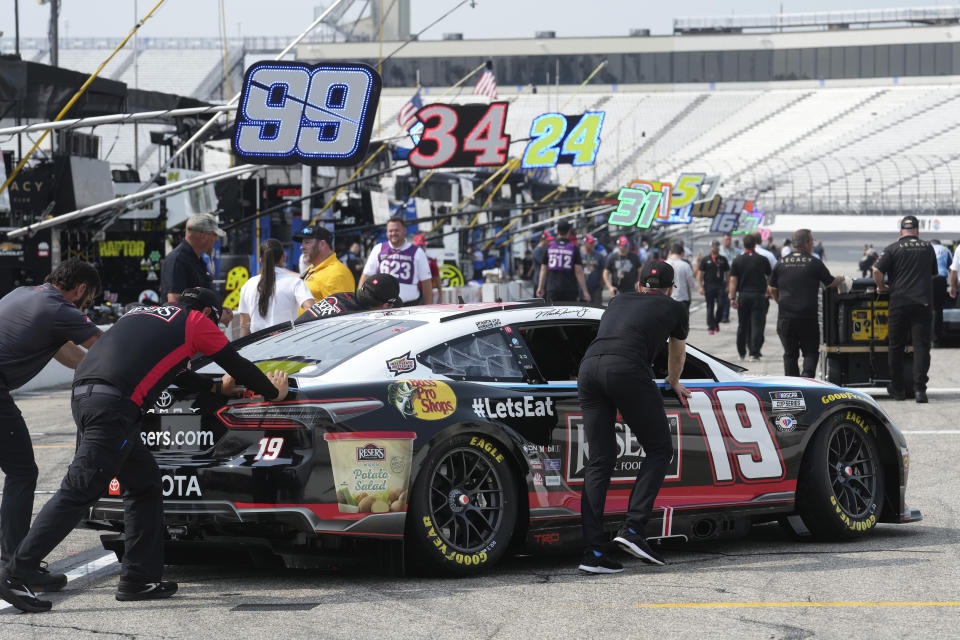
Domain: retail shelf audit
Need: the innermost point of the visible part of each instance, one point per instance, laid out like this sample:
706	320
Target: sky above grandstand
487	19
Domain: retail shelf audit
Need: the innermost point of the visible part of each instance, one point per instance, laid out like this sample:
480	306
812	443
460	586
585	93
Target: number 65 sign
291	112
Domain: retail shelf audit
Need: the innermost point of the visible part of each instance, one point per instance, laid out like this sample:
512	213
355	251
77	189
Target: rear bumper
205	517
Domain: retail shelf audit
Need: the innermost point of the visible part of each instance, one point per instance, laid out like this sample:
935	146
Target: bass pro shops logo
629	452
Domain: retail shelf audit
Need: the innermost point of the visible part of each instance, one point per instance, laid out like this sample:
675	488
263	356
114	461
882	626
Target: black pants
724	311
20	471
763	322
799	335
902	321
712	295
750	319
940	298
607	383
109	447
563	295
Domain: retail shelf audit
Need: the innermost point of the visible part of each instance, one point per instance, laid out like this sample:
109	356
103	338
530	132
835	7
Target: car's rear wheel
464	508
840	490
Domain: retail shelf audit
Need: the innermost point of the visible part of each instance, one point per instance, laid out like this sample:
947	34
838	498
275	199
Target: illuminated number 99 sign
290	112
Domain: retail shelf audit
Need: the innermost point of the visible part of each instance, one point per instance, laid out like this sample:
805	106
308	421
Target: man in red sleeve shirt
126	369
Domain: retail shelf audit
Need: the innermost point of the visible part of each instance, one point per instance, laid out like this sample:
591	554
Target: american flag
407	114
487	84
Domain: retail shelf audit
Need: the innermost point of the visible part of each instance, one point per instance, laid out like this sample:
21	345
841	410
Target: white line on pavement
82	571
929	432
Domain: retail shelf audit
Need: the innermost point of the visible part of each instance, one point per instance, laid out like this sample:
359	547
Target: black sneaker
896	394
920	396
636	545
596	562
43	580
19	595
128	591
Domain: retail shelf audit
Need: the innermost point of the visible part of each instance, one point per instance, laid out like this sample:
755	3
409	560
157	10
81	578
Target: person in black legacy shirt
794	285
910	265
36	324
617	375
748	293
713	279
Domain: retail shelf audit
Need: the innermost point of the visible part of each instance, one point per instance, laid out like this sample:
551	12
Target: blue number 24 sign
291	112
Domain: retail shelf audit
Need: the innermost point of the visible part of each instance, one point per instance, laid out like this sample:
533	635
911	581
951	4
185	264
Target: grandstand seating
859	145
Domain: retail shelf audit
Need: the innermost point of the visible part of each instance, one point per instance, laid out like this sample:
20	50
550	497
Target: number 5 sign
291	112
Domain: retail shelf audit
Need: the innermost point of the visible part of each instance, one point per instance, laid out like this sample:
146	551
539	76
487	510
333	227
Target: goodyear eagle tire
840	489
464	507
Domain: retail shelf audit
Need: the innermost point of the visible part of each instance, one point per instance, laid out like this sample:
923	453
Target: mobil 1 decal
629	452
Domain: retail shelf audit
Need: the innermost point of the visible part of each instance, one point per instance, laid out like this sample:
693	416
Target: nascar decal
526	407
785	422
423	399
401	364
629	452
787	401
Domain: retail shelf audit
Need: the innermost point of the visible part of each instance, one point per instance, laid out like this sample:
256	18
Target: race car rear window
316	347
480	356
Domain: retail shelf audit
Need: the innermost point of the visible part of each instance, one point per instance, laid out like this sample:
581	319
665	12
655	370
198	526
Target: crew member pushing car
377	292
36	324
617	375
910	265
125	370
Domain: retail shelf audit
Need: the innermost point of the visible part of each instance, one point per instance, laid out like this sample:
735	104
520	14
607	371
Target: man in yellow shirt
325	275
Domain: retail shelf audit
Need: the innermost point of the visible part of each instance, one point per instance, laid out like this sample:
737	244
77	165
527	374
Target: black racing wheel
840	489
464	506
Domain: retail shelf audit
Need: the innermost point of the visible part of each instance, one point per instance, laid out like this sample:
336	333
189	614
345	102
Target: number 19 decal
269	449
750	442
291	112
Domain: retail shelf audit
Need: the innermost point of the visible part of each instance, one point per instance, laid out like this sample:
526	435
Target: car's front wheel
464	507
840	489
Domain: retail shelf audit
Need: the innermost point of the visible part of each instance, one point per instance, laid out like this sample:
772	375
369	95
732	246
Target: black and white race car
456	429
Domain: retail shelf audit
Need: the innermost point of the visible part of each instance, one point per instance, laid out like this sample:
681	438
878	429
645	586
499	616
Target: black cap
314	231
909	222
656	274
200	297
382	288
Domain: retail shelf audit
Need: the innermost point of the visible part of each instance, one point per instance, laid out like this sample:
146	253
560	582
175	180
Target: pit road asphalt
900	581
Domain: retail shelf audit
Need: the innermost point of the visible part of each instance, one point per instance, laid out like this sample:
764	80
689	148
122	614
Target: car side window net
479	356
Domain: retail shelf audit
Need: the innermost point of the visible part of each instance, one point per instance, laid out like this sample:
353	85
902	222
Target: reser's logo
371	452
165	400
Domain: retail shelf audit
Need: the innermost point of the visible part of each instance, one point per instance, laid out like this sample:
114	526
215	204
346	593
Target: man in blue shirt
944	258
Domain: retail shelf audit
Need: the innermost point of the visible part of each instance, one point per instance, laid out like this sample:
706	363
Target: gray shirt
34	323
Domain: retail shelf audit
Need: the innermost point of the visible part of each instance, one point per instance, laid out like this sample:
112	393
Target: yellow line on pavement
799	603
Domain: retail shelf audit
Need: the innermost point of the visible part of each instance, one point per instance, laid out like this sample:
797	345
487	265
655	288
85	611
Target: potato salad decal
371	469
423	399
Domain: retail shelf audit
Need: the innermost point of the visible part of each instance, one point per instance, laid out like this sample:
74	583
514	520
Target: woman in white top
273	296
